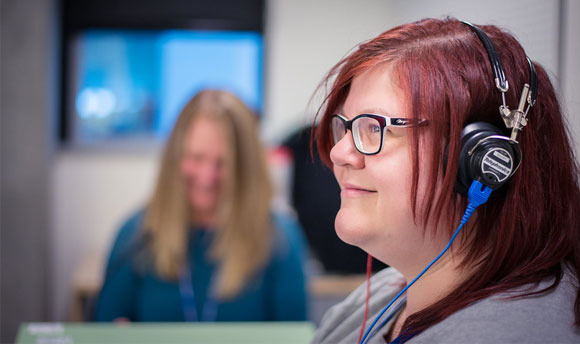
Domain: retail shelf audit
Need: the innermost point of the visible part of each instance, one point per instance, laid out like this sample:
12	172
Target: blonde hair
244	227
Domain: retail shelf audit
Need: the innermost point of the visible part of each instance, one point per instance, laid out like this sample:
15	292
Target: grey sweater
548	318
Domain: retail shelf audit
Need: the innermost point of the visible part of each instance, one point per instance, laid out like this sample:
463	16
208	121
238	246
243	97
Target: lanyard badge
208	311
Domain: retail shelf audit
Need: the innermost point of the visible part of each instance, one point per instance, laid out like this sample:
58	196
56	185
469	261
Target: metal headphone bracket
516	119
513	119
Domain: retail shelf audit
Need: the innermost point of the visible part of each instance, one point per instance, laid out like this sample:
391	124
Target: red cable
369	269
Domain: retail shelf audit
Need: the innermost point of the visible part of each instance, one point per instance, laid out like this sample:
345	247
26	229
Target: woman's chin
202	204
351	232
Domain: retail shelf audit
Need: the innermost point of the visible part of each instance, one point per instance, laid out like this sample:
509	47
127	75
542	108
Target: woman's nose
345	153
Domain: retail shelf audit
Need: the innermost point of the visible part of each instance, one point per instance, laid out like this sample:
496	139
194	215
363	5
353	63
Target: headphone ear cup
491	161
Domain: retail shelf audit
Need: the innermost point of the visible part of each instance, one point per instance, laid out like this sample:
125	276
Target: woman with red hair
412	131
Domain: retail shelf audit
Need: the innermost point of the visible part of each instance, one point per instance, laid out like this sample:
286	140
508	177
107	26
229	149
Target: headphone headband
499	76
533	83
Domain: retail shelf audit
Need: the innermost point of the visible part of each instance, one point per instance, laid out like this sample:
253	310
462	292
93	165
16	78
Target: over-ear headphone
486	154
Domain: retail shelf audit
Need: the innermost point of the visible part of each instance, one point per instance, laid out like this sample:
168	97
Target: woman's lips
349	190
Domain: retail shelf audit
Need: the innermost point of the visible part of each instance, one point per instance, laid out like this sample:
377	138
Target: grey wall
27	105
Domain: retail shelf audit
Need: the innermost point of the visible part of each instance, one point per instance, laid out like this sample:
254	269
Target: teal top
133	290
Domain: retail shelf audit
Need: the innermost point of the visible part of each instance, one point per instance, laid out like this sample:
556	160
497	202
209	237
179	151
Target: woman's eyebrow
377	110
373	110
370	110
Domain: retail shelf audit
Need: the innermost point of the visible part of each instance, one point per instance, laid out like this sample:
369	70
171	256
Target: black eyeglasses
368	130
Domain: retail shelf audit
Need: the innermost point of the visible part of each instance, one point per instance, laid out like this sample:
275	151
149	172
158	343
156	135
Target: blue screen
131	83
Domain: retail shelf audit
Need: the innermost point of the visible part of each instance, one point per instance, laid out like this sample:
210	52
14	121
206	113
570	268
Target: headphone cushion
485	157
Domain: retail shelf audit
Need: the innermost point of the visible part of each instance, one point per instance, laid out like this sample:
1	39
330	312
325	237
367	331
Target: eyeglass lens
338	129
366	132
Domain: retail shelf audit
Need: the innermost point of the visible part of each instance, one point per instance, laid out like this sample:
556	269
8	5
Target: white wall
570	78
303	40
92	193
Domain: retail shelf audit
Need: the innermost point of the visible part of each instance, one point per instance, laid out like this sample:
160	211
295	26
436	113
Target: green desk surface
170	333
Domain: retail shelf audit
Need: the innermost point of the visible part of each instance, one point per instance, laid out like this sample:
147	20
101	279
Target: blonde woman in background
207	246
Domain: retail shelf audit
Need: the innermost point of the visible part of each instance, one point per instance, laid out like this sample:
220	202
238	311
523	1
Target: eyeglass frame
384	121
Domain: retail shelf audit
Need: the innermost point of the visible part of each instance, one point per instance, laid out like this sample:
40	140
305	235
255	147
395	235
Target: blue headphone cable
478	194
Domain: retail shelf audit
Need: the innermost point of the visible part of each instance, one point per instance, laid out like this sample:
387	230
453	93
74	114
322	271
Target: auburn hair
529	230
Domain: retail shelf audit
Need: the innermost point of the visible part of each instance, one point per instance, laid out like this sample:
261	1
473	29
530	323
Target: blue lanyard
209	308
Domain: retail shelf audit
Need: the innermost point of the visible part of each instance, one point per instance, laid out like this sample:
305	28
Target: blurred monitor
133	83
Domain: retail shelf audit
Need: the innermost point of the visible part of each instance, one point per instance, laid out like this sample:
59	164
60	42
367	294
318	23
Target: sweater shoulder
342	322
547	317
